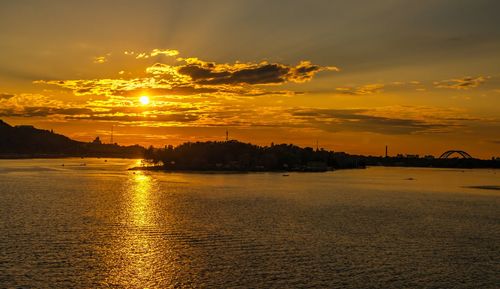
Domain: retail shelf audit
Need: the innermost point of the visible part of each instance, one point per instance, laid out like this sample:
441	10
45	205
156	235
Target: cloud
100	59
213	112
211	73
361	90
41	111
461	83
166	52
192	76
36	105
6	96
153	53
172	118
377	120
117	109
15	101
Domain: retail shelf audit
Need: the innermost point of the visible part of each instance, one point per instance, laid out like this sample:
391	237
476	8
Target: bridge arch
447	154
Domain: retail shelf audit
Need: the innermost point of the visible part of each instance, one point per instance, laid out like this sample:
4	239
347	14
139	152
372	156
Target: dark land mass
429	161
29	142
237	156
212	156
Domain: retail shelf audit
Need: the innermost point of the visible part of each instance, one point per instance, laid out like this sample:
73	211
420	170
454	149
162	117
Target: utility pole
227	135
386	151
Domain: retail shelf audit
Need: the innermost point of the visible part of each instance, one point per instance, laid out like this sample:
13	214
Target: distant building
97	140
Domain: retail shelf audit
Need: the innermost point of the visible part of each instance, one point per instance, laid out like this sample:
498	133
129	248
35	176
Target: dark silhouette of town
228	155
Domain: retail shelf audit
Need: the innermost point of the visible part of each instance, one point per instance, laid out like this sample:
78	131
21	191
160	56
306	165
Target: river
91	223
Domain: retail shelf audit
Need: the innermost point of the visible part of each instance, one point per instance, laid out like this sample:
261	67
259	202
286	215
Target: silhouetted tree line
27	141
456	162
235	155
238	156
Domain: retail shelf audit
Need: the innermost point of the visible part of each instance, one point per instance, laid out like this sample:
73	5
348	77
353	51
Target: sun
144	99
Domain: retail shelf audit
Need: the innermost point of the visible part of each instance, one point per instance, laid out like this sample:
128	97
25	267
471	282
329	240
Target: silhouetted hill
28	141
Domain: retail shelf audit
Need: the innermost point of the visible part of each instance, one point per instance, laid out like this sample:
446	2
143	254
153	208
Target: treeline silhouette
238	156
27	141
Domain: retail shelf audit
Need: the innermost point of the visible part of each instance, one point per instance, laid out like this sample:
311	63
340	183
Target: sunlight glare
144	99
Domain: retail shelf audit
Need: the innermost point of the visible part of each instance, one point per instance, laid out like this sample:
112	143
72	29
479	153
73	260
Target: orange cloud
152	53
193	76
361	90
100	59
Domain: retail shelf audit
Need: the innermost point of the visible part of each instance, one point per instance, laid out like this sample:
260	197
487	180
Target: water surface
93	224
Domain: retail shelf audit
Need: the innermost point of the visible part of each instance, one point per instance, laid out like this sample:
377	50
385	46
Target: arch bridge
447	154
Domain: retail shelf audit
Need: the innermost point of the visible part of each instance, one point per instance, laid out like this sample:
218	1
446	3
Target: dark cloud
136	110
40	111
210	73
364	120
461	83
174	117
176	90
6	96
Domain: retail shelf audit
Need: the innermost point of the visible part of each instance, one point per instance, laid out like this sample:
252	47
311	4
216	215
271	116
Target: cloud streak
206	113
152	53
463	83
361	90
379	120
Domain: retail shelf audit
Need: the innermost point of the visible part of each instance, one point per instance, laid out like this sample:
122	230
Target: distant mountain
28	141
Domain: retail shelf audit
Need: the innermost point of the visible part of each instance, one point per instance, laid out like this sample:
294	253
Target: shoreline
224	171
161	168
50	156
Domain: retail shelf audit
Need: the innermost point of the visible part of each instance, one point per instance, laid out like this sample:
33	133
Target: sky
421	77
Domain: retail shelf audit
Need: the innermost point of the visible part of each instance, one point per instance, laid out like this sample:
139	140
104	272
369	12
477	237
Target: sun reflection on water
140	199
134	257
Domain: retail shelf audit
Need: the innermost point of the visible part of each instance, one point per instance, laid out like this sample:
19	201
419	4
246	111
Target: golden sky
422	77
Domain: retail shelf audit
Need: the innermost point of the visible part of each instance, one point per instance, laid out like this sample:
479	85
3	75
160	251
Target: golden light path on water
136	251
140	192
